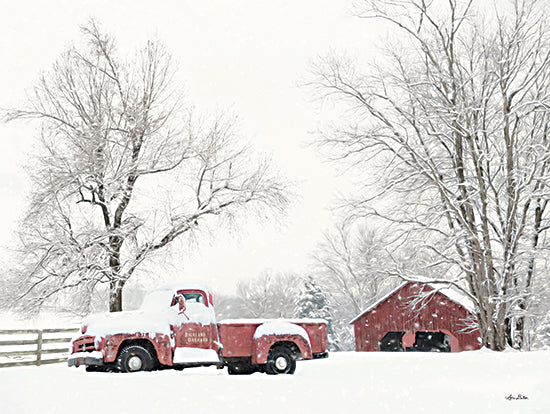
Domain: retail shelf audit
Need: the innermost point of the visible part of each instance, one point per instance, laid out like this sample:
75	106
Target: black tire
280	361
240	368
134	358
97	368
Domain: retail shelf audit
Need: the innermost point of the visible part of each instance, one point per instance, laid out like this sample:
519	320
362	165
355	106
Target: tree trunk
519	333
497	337
115	296
117	283
509	331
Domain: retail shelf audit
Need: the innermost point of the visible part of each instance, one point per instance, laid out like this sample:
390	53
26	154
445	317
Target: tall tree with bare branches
112	130
458	115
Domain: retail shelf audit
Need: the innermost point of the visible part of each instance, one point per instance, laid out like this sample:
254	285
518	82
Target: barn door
431	342
392	342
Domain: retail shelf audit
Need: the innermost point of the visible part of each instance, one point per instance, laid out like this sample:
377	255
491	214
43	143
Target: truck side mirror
181	303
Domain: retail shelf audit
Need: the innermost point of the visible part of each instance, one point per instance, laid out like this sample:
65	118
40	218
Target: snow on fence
19	347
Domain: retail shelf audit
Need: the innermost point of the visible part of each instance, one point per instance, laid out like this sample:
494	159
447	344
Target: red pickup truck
176	328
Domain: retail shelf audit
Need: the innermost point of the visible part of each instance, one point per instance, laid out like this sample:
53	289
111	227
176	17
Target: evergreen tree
313	303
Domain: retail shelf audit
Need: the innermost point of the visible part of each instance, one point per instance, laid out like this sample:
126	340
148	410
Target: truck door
194	337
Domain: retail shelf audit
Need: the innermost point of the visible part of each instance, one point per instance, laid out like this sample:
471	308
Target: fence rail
39	341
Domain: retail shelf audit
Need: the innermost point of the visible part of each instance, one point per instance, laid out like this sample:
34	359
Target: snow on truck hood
153	317
129	322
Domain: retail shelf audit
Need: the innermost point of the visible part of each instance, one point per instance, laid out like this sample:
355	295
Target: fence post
39	349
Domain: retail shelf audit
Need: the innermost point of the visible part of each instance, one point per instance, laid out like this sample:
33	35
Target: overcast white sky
246	57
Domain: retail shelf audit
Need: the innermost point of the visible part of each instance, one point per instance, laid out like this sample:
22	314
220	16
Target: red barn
418	317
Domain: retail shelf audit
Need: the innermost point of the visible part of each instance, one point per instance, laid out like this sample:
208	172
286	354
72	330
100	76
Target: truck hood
130	322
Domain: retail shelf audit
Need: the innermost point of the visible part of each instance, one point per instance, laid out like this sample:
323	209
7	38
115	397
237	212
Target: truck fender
270	333
160	343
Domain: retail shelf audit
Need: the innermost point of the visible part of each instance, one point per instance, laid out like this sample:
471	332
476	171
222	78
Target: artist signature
511	397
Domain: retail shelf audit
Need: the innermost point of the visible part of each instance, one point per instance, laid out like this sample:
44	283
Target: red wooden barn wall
437	313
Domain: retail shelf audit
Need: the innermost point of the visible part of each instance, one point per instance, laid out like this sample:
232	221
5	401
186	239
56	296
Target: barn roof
450	292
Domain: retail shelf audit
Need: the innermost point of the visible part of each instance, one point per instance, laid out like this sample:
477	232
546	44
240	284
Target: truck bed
237	335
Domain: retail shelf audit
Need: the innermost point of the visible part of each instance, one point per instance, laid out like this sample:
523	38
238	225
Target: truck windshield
194	297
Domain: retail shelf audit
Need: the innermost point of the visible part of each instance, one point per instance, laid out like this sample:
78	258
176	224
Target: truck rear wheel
134	358
280	361
240	369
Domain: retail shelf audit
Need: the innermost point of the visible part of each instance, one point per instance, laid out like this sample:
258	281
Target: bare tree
350	265
113	131
271	295
459	116
229	306
537	320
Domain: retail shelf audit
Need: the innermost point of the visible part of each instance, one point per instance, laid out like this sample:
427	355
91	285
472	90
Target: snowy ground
475	382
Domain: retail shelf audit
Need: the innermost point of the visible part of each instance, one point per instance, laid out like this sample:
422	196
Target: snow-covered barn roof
450	292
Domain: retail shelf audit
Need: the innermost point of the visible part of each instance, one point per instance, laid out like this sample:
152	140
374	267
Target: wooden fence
41	337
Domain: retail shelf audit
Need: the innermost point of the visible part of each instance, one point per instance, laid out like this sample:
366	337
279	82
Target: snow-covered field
472	382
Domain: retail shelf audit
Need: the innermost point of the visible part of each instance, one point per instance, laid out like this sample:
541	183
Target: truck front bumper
85	358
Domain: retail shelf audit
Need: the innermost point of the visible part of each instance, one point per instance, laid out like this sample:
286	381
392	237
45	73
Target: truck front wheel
135	358
280	361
